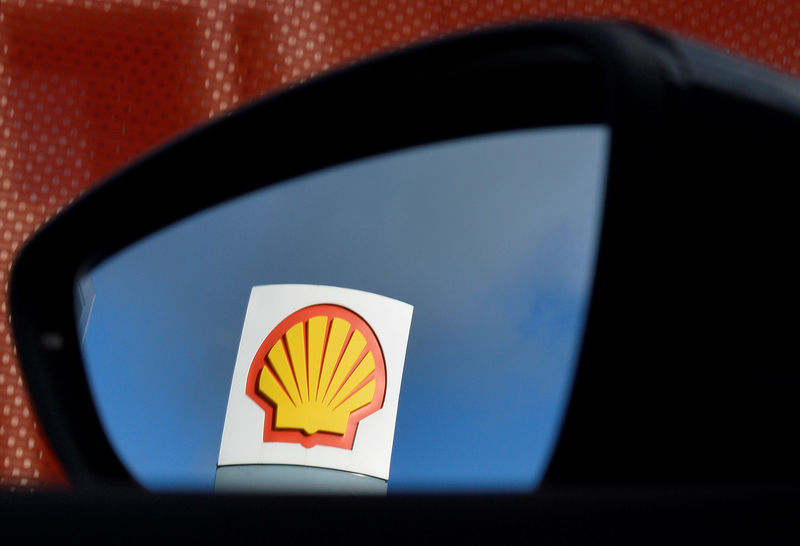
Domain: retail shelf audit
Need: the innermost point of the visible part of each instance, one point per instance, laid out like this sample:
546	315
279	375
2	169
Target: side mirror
591	223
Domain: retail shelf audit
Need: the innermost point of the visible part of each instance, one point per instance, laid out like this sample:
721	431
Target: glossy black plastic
686	377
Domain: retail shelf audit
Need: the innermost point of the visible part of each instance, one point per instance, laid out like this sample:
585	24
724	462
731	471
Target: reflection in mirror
491	238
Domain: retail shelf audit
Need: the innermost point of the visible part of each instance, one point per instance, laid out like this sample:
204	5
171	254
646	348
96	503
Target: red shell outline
346	440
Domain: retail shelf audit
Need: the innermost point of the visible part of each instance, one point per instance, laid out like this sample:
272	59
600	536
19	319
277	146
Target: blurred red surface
87	85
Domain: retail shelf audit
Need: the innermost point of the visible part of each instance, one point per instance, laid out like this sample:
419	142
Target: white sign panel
317	379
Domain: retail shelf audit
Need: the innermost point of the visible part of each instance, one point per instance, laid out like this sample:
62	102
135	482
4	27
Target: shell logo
316	376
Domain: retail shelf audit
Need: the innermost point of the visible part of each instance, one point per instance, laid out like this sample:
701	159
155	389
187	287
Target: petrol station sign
317	379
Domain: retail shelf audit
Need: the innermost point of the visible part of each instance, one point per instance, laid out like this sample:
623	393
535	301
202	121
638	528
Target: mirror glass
492	239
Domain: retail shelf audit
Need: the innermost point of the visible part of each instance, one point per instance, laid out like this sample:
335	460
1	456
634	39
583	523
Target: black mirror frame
661	97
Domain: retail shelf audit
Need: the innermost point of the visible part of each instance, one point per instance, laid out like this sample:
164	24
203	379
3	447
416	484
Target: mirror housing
695	216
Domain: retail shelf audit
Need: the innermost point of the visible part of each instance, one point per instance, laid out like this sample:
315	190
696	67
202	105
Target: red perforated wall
86	85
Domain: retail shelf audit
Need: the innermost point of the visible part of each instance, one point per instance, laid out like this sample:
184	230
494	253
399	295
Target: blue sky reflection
492	240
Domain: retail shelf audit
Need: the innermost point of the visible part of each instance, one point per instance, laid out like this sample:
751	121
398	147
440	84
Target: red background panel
87	85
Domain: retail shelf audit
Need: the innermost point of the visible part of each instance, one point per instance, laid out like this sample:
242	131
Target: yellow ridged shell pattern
317	375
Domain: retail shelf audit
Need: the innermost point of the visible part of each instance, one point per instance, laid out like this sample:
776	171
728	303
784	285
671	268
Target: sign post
315	390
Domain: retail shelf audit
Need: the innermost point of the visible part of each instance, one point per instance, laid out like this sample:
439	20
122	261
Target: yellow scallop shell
318	372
